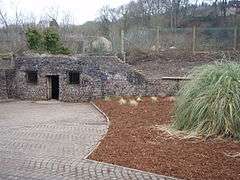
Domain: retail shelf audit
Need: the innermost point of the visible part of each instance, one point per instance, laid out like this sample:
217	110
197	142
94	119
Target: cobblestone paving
50	140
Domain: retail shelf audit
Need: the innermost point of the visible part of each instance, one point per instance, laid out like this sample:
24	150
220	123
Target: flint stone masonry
99	76
10	83
6	63
3	87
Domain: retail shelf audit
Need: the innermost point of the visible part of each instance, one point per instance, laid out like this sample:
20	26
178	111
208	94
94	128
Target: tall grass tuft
209	104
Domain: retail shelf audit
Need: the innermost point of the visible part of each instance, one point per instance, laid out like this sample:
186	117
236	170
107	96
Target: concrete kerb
130	169
108	124
96	107
7	100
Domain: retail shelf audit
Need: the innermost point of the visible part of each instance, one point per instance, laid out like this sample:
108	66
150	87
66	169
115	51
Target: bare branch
3	18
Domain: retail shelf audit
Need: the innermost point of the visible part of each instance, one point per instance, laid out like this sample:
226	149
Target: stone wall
3	88
6	78
159	87
99	76
7	63
10	83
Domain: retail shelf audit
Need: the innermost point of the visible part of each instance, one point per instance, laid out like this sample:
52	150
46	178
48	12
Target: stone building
70	79
74	79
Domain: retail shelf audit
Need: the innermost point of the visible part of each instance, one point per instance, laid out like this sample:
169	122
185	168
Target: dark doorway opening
53	87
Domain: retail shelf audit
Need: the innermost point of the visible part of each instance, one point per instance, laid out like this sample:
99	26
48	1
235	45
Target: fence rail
191	39
194	39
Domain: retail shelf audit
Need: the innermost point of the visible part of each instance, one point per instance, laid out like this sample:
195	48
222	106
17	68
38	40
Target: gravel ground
135	139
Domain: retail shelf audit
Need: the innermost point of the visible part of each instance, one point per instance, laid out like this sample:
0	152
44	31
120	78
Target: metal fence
141	39
11	40
190	39
215	39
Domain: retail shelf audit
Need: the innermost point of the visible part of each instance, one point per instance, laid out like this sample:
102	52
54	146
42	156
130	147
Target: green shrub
209	104
64	50
34	39
49	41
53	44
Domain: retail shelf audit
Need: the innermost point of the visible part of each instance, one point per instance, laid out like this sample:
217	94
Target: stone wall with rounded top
3	87
99	76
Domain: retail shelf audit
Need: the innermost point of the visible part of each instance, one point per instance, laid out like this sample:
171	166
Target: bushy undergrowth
48	40
34	39
51	40
209	104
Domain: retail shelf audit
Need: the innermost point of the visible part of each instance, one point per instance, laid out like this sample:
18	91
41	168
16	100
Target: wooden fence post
235	38
158	37
12	60
194	40
122	46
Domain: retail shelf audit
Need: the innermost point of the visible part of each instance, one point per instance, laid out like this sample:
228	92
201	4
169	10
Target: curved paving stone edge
41	142
140	174
81	169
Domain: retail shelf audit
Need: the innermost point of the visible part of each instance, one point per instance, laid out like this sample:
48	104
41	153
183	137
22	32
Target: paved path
50	140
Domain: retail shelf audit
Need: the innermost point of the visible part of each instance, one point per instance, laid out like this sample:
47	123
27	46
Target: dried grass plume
133	102
122	101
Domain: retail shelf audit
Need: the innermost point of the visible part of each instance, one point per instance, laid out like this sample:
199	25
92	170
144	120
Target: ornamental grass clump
209	104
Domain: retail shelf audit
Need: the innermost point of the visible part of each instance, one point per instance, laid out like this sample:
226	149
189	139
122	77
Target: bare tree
105	19
53	12
124	16
224	7
3	19
67	19
3	16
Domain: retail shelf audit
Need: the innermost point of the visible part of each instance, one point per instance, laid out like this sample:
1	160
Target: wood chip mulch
134	140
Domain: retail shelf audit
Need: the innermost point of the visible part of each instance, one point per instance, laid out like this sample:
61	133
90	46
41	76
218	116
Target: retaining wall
99	76
3	87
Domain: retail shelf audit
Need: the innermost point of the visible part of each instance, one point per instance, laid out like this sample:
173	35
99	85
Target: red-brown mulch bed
133	141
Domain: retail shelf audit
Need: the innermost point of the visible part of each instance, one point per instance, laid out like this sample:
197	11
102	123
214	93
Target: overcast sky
80	10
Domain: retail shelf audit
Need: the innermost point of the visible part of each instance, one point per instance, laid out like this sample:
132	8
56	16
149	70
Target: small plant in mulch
106	98
139	99
133	102
154	99
209	104
122	101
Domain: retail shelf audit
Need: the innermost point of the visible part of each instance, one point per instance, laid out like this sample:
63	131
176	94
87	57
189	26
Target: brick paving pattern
50	140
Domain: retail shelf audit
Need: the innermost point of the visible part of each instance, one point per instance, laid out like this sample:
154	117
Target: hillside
175	62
